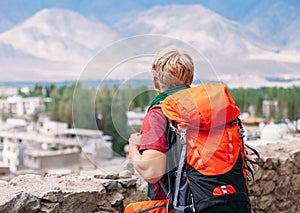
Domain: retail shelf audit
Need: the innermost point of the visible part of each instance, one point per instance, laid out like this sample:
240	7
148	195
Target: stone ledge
56	193
276	187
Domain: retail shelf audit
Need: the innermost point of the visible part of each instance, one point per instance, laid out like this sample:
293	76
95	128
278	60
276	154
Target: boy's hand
135	138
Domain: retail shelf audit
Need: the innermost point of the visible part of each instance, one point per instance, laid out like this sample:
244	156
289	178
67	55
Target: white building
8	91
53	158
135	118
51	146
270	108
28	149
13	124
13	150
19	106
48	127
92	143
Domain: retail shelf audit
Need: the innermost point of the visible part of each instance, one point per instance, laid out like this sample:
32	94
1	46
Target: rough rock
21	202
296	159
3	183
116	198
268	175
53	196
128	165
49	207
104	175
80	202
25	178
125	174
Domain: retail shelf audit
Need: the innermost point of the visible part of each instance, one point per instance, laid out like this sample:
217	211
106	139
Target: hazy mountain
59	35
270	19
56	44
238	55
8	51
212	34
289	37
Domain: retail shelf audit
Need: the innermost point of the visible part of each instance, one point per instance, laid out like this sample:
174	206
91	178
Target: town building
8	91
53	157
48	127
18	106
135	118
13	150
270	108
51	146
92	143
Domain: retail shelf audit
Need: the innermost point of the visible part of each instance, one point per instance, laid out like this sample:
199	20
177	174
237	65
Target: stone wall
277	179
90	192
276	187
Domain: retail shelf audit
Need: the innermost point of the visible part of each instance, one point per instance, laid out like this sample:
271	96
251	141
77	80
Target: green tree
288	100
49	89
84	111
54	107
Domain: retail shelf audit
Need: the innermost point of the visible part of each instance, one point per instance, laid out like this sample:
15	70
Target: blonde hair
172	67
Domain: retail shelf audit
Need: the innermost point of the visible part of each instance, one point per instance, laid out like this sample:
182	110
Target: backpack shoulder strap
180	165
155	106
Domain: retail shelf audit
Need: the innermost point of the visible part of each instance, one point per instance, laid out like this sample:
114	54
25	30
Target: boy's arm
151	164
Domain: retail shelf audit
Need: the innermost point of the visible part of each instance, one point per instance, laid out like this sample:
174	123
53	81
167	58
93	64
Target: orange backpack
205	111
206	162
209	169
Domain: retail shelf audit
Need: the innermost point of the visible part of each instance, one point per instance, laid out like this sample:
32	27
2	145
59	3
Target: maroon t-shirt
154	136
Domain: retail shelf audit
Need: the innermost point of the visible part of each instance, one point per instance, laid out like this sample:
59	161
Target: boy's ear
156	84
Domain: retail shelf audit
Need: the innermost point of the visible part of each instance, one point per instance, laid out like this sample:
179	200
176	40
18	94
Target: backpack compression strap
245	164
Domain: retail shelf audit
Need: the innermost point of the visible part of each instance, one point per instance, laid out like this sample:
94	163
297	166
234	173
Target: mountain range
58	44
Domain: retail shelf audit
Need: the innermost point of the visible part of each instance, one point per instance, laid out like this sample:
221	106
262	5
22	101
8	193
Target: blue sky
109	11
